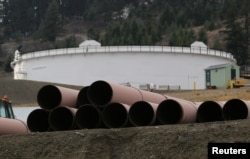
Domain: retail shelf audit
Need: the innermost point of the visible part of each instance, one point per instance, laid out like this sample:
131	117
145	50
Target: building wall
219	77
237	70
134	64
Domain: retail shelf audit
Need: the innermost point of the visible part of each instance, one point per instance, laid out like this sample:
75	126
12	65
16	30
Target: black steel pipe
236	109
12	126
88	117
38	120
82	98
210	111
115	115
62	118
142	113
51	96
174	111
102	93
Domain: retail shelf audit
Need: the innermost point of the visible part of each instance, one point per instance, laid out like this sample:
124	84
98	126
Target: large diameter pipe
210	111
62	118
115	115
102	93
51	96
38	120
236	109
12	126
88	117
174	111
82	98
142	113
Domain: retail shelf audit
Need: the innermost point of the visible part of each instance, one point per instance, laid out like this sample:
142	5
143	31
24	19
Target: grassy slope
23	92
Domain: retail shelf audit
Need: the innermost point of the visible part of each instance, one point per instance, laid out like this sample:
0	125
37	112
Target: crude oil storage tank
160	66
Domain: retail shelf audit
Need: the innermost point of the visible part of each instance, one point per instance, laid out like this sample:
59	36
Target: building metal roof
218	66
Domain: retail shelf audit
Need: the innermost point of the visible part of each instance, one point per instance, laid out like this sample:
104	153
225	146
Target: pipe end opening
115	115
49	97
100	93
209	111
169	112
141	114
61	118
88	117
235	109
37	121
82	97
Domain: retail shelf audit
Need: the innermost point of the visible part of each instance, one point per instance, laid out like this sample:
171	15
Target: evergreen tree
167	16
92	34
6	64
246	20
181	37
70	42
235	36
217	45
72	8
202	35
52	25
18	17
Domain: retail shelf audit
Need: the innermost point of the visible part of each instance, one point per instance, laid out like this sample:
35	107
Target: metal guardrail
129	49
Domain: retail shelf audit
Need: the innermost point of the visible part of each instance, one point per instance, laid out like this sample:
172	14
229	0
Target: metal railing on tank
129	49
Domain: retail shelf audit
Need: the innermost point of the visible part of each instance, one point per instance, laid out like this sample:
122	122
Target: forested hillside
47	24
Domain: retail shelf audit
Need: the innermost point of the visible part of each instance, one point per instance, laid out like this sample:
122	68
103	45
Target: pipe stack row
233	109
109	105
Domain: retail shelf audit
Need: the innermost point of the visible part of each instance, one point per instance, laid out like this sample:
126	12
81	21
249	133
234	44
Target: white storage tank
163	66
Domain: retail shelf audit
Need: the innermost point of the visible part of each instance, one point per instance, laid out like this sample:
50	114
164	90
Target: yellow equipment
237	83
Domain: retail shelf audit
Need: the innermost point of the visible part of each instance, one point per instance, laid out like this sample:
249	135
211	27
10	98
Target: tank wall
121	67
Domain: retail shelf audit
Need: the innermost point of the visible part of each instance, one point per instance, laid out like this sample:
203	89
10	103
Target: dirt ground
155	142
151	142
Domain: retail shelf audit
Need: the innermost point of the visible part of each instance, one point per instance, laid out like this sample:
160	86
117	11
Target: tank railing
129	49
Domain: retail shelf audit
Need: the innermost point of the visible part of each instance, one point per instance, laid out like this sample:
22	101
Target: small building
218	76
